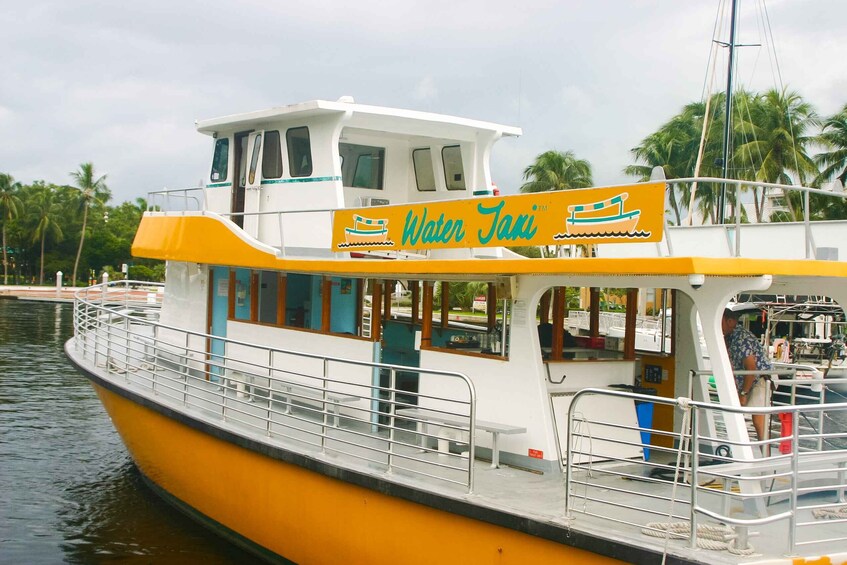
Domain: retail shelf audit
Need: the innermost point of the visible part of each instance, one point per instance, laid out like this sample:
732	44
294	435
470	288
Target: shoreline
37	293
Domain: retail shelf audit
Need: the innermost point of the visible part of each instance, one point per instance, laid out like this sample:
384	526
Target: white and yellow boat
283	390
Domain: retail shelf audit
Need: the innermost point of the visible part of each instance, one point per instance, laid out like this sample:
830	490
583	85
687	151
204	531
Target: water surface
69	490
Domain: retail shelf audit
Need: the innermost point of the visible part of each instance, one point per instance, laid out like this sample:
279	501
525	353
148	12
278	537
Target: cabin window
220	160
424	175
242	294
299	152
454	172
465	317
362	166
303	301
344	308
603	323
268	295
272	156
254	160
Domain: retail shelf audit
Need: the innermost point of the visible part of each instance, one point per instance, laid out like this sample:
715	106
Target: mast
728	113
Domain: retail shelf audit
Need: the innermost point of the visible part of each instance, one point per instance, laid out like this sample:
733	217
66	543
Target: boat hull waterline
283	507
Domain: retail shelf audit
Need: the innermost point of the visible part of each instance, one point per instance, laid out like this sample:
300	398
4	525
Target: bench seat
423	416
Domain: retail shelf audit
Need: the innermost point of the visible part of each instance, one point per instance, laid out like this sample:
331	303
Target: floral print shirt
740	344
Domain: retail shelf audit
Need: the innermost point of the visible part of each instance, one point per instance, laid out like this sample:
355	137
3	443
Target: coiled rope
830	513
709	536
713	537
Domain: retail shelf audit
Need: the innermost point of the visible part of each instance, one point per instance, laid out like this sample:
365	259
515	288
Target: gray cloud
121	83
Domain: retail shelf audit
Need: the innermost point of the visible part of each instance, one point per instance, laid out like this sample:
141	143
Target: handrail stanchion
807	226
324	428
795	469
695	463
391	422
737	206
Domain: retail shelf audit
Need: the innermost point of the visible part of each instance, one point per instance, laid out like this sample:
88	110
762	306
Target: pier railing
343	410
694	479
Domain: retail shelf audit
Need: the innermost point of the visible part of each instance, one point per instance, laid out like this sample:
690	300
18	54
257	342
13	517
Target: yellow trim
307	517
205	239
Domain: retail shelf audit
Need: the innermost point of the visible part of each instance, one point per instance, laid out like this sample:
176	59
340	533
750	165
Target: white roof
378	118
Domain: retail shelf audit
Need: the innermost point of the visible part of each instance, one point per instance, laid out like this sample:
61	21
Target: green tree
556	170
776	134
92	192
833	137
673	148
45	210
10	208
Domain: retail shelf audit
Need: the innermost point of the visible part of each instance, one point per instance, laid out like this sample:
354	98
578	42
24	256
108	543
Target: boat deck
609	500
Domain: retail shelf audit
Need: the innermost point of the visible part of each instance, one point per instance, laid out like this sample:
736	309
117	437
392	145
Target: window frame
216	157
296	170
431	170
447	181
269	154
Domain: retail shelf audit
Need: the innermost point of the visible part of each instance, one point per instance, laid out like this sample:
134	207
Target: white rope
708	536
685	405
830	513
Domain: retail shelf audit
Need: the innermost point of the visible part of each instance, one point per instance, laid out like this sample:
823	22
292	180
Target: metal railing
344	408
188	200
734	241
800	478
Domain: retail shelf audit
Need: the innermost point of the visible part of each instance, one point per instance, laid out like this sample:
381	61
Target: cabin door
217	309
239	186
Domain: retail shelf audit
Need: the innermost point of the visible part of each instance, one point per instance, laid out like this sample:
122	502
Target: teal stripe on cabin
483	192
304	179
218	184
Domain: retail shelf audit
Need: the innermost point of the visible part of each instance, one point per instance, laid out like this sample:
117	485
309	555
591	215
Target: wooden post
280	299
426	316
376	311
558	323
254	296
387	290
491	306
594	312
230	310
360	303
326	303
544	308
445	304
631	317
416	297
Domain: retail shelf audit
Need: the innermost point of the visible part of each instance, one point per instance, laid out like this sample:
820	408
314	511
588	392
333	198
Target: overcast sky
121	83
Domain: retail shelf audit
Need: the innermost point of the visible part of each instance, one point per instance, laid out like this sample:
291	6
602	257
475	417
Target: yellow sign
621	214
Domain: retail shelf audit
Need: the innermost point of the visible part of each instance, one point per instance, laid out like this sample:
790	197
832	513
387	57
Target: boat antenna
728	113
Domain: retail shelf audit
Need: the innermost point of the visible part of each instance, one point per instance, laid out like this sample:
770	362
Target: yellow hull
305	516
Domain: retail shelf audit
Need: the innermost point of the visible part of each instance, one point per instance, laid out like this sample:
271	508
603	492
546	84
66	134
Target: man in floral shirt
747	354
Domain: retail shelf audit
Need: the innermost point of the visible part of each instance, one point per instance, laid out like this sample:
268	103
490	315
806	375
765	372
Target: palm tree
91	192
676	146
556	170
673	148
777	127
10	208
46	212
834	137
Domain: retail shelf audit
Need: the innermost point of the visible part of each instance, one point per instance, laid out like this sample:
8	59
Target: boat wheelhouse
314	379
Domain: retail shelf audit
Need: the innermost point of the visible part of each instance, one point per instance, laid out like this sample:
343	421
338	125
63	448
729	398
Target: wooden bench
423	417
